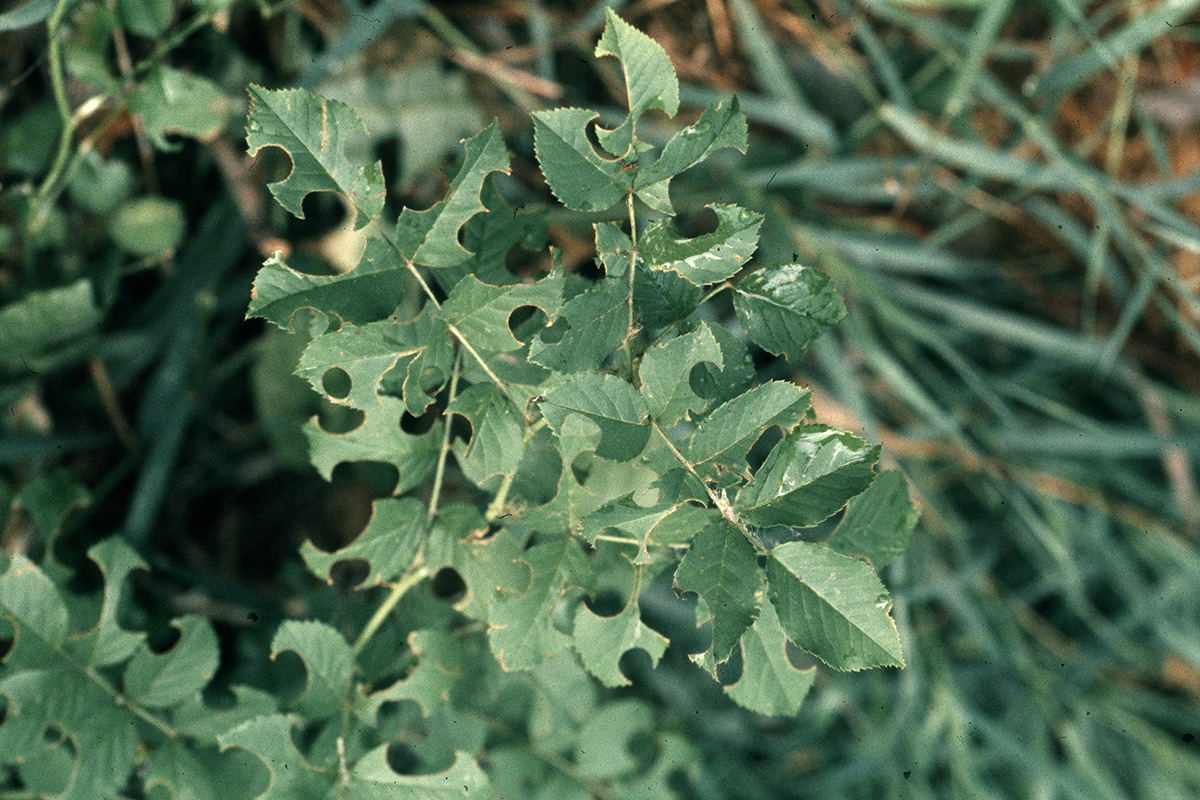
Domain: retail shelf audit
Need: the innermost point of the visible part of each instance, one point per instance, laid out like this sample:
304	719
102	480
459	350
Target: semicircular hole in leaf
729	672
581	466
339	419
635	664
525	322
403	760
554	333
336	383
606	603
448	585
702	388
643	746
799	659
349	573
762	447
415	426
374	478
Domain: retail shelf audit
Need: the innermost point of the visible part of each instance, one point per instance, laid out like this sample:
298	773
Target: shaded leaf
833	606
878	523
373	779
480	311
328	663
726	435
607	401
269	738
596	323
165	679
439	667
721	567
170	101
665	374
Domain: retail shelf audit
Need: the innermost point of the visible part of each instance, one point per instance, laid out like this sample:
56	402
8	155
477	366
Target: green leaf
43	704
604	752
205	723
807	477
145	17
174	769
608	402
31	603
664	523
878	523
722	568
480	311
369	292
736	374
422	347
602	641
49	496
576	174
40	323
430	237
649	78
719	126
170	101
833	606
316	134
770	684
497	432
665	373
786	307
708	258
373	779
148	226
328	663
662	297
439	667
159	680
108	643
595	323
269	738
521	623
723	440
378	438
388	543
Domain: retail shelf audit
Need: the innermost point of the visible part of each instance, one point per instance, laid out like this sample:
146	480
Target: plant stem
626	346
415	575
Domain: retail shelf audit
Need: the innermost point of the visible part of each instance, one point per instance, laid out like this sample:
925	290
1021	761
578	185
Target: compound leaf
328	663
722	569
649	78
878	523
808	476
608	402
369	292
785	308
666	370
710	257
165	679
388	544
430	237
833	606
315	133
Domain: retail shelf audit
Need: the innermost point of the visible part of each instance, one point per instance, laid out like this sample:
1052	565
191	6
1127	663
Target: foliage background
1005	192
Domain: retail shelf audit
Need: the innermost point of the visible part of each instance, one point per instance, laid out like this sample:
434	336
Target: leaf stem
440	472
415	575
719	500
58	88
626	345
